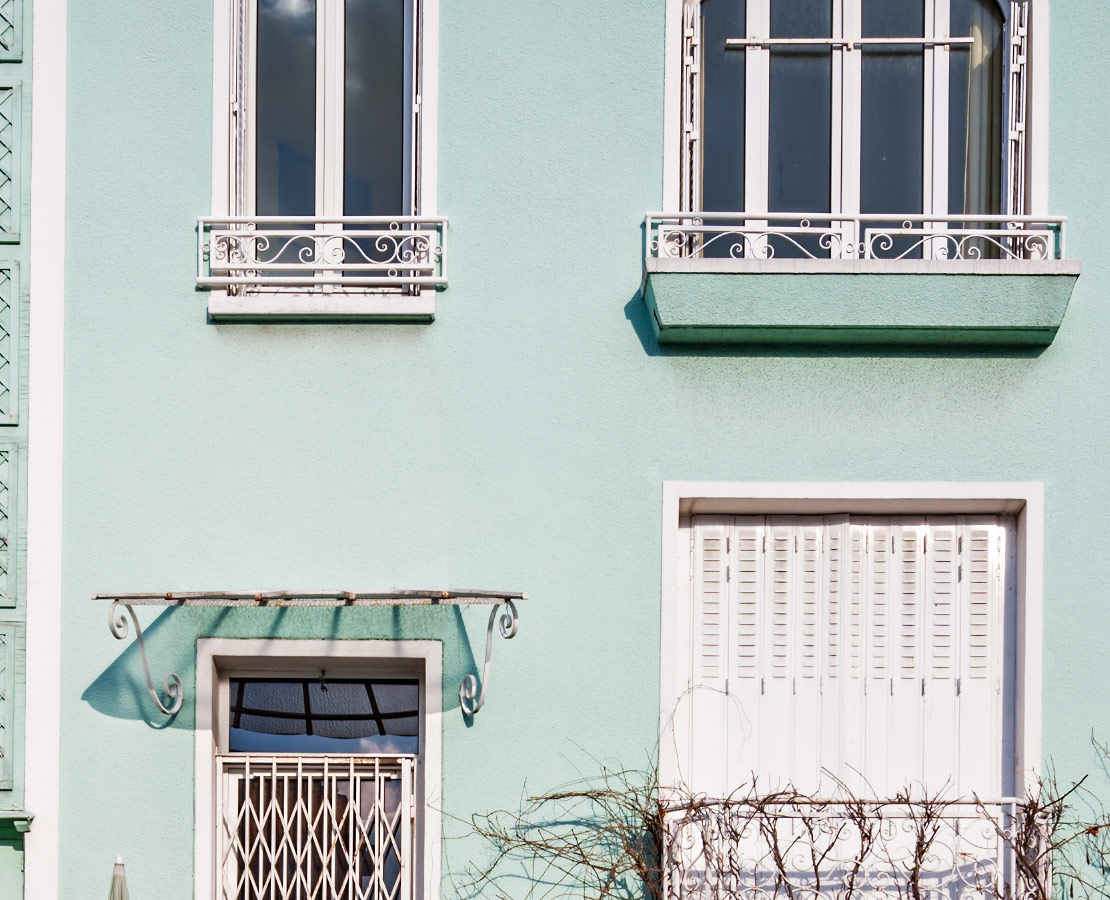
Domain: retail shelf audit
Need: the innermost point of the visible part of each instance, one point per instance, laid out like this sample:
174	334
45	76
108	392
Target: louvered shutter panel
907	595
876	686
810	598
852	764
836	583
981	605
748	585
709	657
940	734
776	710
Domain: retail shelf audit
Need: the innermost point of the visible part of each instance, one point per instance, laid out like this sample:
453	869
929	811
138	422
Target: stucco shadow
638	316
120	690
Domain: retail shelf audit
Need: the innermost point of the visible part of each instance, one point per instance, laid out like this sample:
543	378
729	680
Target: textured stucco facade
520	441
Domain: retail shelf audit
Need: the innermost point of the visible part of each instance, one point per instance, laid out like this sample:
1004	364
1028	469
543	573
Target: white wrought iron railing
315	828
824	850
761	236
314	252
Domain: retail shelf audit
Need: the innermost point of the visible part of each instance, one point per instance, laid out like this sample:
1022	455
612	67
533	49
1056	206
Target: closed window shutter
982	556
709	657
939	679
748	586
871	648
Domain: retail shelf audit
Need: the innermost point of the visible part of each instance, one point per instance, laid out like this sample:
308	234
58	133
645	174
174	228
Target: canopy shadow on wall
127	689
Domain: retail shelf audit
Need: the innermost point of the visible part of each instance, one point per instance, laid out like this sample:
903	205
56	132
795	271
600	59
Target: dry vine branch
625	837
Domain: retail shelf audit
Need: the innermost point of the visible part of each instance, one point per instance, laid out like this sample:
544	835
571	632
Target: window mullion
836	157
757	115
937	73
412	91
850	123
331	116
322	57
245	135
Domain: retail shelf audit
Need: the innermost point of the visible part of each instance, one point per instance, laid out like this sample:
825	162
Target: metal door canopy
472	695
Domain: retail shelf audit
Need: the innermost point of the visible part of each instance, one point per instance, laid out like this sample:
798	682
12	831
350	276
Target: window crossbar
847	43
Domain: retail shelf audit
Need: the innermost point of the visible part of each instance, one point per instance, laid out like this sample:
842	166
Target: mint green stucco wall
519	442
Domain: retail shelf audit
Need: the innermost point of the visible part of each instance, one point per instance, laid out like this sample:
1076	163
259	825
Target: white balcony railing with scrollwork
763	236
818	850
312	253
315	827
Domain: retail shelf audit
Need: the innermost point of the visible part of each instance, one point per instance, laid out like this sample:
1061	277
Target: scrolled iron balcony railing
856	850
321	253
315	826
829	236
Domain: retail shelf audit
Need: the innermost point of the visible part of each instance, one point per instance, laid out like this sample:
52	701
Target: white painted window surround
372	285
888	632
219	659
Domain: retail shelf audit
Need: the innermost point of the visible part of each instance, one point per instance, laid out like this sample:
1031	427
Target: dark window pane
975	109
800	134
893	18
892	136
285	123
723	106
340	715
801	18
376	108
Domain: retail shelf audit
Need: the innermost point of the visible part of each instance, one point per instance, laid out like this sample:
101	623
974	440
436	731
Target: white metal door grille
315	828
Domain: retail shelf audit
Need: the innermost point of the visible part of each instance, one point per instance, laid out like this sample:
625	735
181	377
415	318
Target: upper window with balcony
815	119
862	136
323	185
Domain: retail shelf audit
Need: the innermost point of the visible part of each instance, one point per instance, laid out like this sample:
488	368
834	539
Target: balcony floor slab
969	303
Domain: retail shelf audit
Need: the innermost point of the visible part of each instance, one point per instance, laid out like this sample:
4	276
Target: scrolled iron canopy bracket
472	694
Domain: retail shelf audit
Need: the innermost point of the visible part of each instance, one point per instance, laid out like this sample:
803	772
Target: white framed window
854	612
869	129
324	157
873	642
318	769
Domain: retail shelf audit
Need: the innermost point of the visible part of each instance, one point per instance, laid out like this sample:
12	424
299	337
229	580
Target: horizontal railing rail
887	236
319	252
759	849
315	826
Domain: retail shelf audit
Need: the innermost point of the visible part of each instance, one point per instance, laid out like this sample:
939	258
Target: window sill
304	307
970	303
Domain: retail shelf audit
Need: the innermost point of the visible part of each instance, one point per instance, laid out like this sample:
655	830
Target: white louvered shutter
982	592
707	701
774	736
749	612
907	596
835	679
939	708
871	648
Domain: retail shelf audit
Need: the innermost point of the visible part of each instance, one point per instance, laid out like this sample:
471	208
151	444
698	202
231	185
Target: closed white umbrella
118	890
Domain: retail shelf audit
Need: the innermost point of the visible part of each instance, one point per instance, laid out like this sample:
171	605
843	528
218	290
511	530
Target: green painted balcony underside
988	303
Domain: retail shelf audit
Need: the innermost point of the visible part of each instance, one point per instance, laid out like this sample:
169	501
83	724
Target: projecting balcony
817	278
857	850
311	266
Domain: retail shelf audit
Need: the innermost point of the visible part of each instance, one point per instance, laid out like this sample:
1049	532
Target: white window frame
1023	500
1033	174
219	658
233	166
